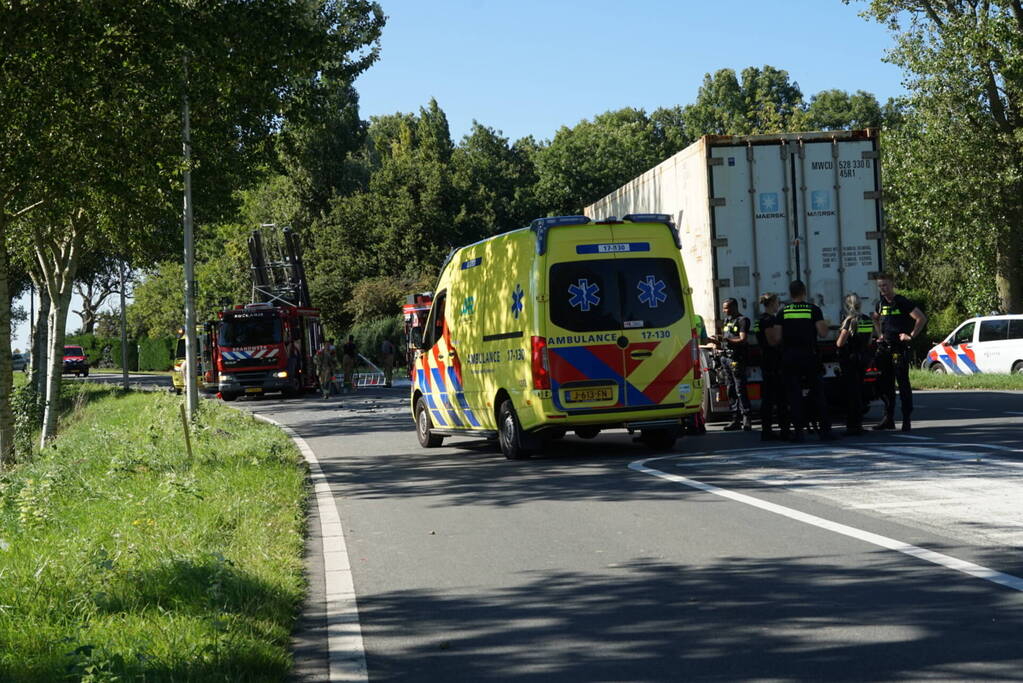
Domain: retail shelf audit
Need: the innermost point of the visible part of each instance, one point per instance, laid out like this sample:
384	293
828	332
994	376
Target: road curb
346	653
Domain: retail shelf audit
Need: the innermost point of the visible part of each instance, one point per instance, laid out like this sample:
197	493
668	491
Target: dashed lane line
346	651
940	559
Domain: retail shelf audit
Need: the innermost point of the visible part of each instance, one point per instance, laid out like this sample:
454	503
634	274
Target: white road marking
346	651
1009	412
971	410
940	559
913	436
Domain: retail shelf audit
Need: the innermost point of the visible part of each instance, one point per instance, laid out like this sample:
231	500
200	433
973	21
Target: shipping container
756	212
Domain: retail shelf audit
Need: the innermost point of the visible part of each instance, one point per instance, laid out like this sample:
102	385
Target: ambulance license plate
253	390
586	395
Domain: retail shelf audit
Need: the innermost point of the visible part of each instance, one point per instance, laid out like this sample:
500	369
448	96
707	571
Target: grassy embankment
922	379
120	559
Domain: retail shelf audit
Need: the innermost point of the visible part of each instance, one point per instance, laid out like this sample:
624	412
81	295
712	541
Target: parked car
19	361
75	361
992	343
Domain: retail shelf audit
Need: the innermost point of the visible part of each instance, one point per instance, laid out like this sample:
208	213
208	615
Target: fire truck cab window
435	324
238	331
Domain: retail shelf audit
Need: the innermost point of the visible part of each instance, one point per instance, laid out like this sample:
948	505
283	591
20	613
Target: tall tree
585	162
763	100
838	110
963	63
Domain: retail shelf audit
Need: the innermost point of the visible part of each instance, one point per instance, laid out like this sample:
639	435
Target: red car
75	361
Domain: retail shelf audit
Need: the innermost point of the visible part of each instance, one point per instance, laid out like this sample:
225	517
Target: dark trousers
802	368
774	405
853	370
893	364
735	379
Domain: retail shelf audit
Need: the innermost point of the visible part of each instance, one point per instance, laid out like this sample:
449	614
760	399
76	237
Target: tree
838	110
127	67
962	59
583	163
763	101
102	281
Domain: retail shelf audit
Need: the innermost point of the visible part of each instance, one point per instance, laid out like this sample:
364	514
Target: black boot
747	424
886	423
734	425
906	426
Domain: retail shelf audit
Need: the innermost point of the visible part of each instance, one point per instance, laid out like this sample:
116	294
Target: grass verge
923	379
120	559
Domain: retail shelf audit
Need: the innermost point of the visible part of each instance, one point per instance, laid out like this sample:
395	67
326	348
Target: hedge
143	354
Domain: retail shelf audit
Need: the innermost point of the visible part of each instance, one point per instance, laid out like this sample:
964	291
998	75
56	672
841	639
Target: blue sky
529	67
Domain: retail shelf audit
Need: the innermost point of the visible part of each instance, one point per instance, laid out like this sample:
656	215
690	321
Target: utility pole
191	364
124	333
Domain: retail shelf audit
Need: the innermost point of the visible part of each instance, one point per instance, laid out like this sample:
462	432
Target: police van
992	344
568	324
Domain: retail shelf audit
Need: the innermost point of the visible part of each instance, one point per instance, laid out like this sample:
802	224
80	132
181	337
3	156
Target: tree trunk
39	338
1009	267
6	378
61	303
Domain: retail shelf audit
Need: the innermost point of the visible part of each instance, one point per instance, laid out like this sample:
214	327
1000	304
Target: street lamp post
191	364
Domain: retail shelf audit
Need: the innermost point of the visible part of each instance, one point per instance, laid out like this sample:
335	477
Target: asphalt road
876	557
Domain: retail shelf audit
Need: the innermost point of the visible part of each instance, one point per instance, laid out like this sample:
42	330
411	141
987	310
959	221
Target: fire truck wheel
510	433
424	427
587	432
228	396
85	372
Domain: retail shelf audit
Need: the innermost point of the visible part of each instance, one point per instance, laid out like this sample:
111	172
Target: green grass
923	379
122	560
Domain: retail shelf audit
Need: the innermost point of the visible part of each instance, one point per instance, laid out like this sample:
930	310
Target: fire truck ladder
278	275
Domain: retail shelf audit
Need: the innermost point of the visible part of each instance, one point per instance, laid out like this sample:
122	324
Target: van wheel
659	439
939	369
228	396
424	426
586	432
1017	367
510	433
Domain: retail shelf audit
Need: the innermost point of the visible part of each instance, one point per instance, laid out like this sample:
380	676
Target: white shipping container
755	212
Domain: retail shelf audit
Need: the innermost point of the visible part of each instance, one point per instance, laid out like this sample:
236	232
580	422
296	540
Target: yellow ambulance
568	324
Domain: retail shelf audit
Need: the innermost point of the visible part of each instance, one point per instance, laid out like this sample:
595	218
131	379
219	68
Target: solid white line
913	436
346	652
1009	412
969	568
970	410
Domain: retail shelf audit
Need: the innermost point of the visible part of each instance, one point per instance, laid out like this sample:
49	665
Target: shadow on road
738	619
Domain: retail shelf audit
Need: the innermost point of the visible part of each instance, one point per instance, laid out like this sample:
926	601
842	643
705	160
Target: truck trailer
756	212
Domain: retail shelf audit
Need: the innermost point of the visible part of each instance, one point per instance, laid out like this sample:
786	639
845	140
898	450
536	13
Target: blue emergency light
541	226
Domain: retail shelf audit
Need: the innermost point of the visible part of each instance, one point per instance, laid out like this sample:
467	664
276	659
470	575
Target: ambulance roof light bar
541	226
657	218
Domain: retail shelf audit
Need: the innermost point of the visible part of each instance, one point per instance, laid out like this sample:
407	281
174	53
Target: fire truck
267	345
415	311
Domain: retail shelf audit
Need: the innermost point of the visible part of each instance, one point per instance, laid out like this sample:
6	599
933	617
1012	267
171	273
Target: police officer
854	336
734	343
773	404
801	324
900	322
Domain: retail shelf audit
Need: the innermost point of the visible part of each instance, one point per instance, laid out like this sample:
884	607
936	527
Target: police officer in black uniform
900	322
801	324
773	403
734	343
854	337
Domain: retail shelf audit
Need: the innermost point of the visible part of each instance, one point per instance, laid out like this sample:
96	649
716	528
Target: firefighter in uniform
773	404
853	344
801	324
900	322
734	344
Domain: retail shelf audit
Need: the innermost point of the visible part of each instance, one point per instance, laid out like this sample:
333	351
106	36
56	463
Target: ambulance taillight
541	364
696	354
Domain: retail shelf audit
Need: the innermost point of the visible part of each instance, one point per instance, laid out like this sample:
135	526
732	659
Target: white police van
992	343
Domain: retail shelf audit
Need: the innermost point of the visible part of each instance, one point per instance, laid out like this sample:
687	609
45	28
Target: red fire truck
415	311
267	345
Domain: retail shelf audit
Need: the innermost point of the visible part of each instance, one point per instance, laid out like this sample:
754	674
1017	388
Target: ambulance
566	325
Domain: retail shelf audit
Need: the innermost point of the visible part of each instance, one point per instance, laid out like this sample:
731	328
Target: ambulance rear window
615	294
